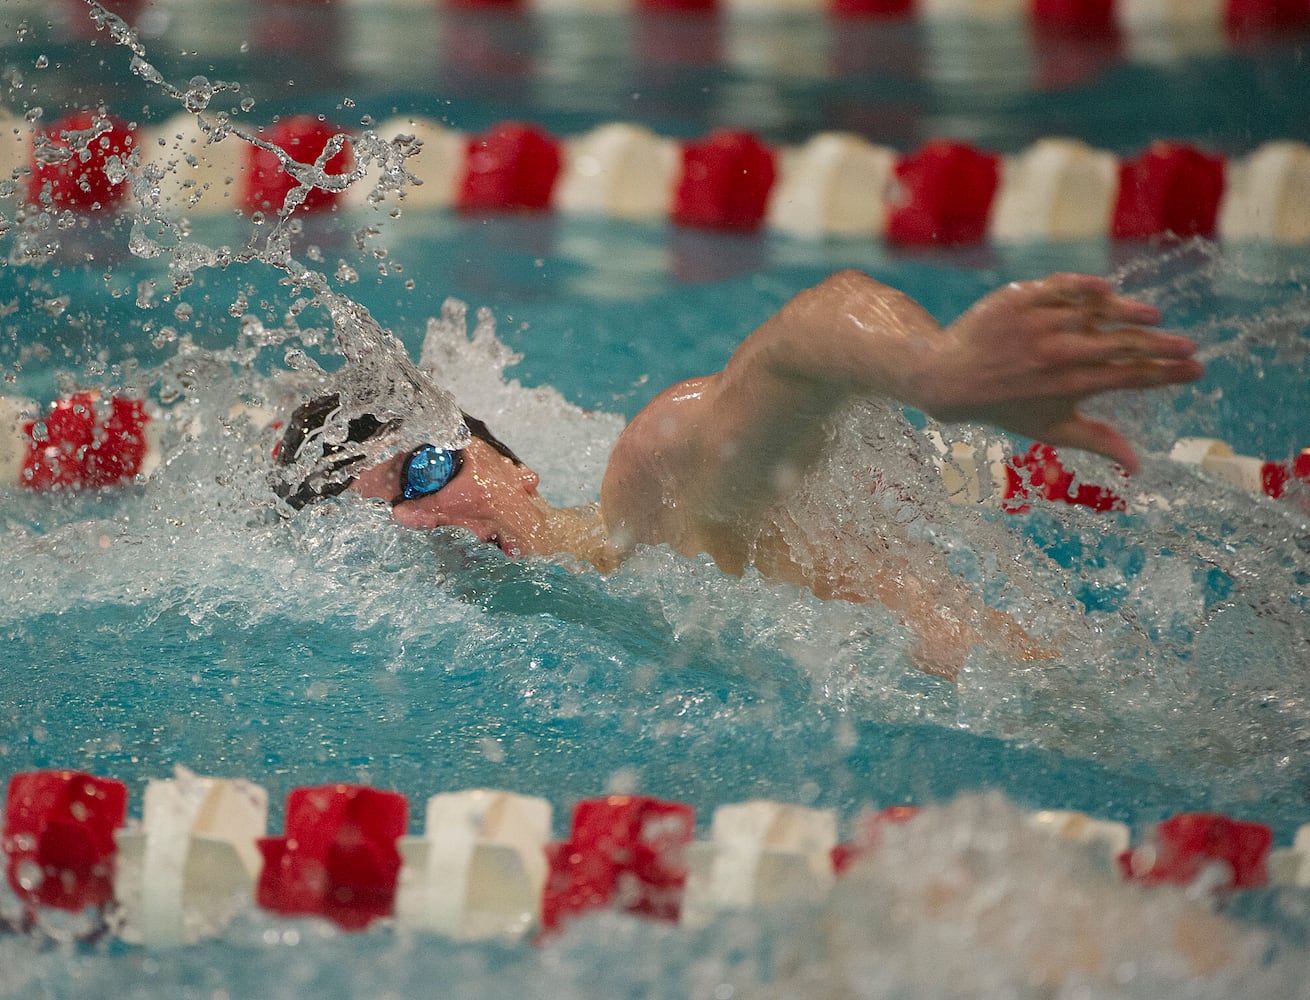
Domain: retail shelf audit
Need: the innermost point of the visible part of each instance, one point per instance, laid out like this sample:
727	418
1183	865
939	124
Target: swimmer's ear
528	478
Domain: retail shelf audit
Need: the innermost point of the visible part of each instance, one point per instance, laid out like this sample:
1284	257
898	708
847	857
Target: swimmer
703	467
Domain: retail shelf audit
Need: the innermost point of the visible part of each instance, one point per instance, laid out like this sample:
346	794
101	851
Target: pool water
183	622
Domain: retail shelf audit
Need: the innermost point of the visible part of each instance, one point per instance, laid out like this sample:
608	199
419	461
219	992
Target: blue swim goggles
428	469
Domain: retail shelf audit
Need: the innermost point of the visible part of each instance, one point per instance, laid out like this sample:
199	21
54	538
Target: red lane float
626	852
944	195
1171	188
1255	475
484	867
868	835
725	182
508	6
1244	18
682	6
84	442
871	8
1240	16
59	837
82	162
511	166
1276	477
303	138
1040	472
1182	848
1086	15
338	858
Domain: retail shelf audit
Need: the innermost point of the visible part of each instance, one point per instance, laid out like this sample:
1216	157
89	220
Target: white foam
567	445
970	894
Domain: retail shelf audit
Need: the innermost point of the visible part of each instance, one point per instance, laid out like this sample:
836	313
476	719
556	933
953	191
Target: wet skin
496	500
701	467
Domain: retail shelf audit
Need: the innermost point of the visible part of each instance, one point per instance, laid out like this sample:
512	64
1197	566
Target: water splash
379	377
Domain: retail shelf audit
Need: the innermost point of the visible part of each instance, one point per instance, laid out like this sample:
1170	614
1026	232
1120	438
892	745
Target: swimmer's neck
579	532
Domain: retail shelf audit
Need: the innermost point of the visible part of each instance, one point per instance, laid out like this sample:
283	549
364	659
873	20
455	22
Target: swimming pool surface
182	622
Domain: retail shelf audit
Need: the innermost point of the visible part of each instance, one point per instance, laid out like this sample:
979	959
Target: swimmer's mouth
503	545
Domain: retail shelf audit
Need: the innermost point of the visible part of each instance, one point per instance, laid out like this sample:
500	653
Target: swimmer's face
490	496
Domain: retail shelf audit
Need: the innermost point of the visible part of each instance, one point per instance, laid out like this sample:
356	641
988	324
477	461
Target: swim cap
329	476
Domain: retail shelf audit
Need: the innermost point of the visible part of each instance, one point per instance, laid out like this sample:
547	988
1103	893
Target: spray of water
1180	628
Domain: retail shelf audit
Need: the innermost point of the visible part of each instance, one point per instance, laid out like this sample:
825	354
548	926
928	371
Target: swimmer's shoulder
655	467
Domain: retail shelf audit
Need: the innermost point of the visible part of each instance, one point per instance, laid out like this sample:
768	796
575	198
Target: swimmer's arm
1025	357
704	458
711	453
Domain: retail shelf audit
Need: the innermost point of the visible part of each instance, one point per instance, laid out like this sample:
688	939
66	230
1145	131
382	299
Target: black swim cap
304	422
322	481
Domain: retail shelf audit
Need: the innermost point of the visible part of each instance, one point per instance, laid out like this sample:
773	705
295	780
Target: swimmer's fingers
1117	346
1080	381
1084	299
1094	435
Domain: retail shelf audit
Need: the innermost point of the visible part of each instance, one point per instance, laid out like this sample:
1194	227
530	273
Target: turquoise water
181	622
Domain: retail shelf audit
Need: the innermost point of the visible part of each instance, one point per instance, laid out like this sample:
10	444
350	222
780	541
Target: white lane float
759	853
191	863
479	869
483	867
832	184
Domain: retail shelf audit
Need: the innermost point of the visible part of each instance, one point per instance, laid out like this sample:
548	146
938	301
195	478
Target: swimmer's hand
943	614
1025	356
942	649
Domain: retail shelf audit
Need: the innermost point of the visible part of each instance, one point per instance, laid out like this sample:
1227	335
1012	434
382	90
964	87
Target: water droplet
28	874
198	95
42	61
